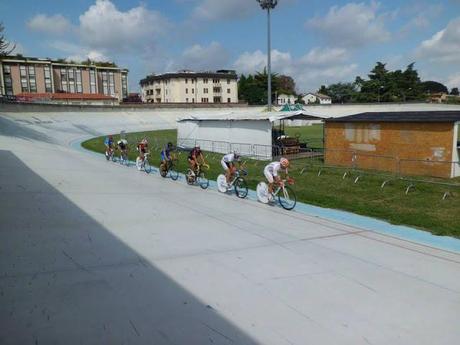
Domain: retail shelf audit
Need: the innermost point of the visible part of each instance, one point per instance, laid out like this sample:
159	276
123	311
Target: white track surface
95	253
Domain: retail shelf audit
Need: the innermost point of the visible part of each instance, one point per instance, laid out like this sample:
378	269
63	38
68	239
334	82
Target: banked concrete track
95	253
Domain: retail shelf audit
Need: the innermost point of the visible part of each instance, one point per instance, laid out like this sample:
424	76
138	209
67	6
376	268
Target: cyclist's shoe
270	197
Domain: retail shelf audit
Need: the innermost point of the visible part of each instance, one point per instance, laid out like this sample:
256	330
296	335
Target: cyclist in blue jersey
108	142
166	153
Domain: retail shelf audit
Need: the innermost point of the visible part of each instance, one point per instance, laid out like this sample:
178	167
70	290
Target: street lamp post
268	5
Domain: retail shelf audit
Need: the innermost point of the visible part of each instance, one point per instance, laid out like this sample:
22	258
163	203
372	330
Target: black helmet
170	144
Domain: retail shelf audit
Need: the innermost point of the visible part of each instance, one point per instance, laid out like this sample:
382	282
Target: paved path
95	253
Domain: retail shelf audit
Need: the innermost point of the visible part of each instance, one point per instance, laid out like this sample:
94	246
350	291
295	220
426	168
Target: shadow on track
65	279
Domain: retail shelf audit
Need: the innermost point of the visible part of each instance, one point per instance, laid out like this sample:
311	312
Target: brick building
410	143
33	75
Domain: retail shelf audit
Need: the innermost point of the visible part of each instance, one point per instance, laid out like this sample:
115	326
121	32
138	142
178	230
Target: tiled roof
57	96
402	116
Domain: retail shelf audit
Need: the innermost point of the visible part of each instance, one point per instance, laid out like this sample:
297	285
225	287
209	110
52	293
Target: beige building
20	75
191	87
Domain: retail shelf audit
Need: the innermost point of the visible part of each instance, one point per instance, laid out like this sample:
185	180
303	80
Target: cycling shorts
268	175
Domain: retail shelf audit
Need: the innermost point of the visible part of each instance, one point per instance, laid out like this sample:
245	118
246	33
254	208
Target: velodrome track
95	253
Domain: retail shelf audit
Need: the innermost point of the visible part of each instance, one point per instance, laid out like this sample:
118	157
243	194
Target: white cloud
105	27
55	25
443	46
325	56
453	81
316	67
352	25
198	57
75	52
212	10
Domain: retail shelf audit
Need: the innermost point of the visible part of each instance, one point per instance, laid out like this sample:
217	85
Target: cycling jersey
166	153
142	147
194	153
273	168
122	144
229	158
108	142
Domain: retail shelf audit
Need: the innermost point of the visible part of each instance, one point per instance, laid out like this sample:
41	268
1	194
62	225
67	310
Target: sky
317	42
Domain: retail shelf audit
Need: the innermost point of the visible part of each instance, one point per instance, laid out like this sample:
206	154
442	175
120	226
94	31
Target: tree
454	91
286	85
342	92
431	86
6	47
323	90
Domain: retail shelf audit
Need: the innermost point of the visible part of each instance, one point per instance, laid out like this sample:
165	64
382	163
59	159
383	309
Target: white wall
250	138
456	152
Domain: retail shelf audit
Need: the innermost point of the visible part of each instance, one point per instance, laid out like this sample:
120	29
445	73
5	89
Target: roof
401	116
254	116
57	96
319	95
209	75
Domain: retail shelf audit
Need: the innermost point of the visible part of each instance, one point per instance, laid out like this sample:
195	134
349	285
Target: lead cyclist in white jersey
228	164
271	172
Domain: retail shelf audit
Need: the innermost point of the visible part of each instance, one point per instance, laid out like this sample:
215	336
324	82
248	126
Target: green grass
423	208
312	135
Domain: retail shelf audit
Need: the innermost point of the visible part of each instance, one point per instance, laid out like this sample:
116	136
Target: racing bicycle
197	176
143	164
169	167
284	193
238	183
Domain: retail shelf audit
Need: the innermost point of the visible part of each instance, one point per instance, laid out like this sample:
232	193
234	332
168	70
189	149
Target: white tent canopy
248	133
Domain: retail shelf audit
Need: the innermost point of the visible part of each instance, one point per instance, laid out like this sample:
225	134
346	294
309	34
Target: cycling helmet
236	155
170	144
144	141
197	146
284	162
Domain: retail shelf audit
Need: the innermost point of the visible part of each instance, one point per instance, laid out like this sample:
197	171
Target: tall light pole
268	5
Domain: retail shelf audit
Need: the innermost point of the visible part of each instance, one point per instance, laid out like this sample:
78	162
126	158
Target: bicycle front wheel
287	198
241	188
173	173
189	177
147	167
203	181
163	170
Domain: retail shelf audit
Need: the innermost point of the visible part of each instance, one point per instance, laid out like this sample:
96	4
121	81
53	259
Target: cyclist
194	156
228	163
166	154
108	142
271	173
123	147
143	148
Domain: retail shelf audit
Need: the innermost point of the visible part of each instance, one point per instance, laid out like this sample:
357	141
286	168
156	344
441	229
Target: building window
64	80
205	81
24	81
186	100
193	100
216	81
217	100
193	90
105	83
193	81
124	85
7	80
71	80
78	80
229	100
111	84
228	81
186	81
32	79
92	81
186	91
48	83
228	91
205	90
217	89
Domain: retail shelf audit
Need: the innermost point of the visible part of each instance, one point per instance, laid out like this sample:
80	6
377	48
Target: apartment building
191	87
19	75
